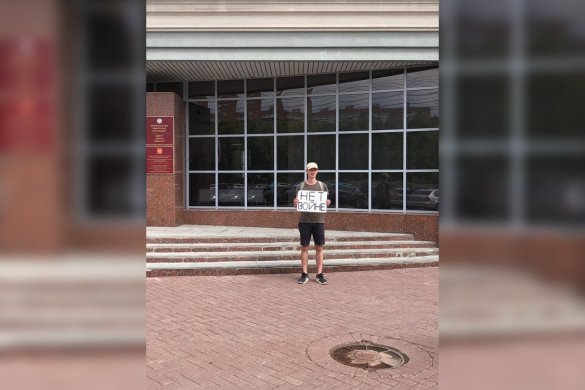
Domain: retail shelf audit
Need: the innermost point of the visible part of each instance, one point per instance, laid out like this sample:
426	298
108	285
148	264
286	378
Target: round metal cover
368	356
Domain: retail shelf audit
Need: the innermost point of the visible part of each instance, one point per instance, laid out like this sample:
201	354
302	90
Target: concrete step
282	246
198	257
276	238
286	266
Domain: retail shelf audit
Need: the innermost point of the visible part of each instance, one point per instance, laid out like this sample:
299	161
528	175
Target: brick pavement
267	332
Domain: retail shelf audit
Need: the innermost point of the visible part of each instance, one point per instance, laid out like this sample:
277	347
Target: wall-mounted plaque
159	130
159	159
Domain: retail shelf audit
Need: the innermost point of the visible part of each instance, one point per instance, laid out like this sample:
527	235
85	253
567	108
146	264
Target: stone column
165	184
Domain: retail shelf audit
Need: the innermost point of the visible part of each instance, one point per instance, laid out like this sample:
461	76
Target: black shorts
317	230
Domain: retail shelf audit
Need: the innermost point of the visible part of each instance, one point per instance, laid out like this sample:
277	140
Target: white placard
312	201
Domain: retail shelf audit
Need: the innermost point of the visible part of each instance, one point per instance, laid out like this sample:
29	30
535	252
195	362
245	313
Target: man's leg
319	257
305	258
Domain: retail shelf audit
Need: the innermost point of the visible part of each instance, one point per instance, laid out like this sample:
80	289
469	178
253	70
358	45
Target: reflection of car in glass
349	195
424	198
396	196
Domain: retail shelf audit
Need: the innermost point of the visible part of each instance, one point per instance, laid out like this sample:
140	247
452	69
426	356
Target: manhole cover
368	356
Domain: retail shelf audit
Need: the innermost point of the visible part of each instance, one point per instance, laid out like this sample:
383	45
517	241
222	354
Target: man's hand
296	202
328	202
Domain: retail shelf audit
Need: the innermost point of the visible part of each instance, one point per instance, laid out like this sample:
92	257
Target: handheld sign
312	201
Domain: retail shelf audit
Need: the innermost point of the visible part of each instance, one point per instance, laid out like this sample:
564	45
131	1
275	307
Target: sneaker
320	278
303	279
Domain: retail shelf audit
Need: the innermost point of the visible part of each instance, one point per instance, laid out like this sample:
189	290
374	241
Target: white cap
312	165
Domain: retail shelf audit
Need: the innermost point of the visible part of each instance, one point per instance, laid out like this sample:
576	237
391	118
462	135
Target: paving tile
254	331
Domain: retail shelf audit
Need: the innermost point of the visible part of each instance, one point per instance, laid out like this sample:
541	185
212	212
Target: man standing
312	224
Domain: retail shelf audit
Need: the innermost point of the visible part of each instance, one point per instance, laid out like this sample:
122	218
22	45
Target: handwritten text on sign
312	201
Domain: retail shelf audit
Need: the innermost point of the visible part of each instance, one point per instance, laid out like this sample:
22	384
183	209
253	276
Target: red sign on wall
159	130
159	144
159	159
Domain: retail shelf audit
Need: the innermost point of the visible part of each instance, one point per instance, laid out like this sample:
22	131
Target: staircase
233	253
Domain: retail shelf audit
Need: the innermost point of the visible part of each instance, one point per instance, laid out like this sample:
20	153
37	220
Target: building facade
255	90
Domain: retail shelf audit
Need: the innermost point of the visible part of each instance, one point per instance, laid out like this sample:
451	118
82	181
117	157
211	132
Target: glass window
321	149
387	150
423	109
286	188
260	116
261	153
422	77
485	106
354	82
150	87
353	151
110	188
171	87
230	116
202	189
290	152
202	118
353	112
352	191
202	154
260	87
231	153
321	113
108	118
387	110
329	180
422	150
387	190
286	86
231	191
482	189
387	79
201	90
290	115
321	83
260	190
417	186
230	89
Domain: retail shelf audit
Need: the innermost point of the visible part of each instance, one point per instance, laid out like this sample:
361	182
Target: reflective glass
387	79
202	118
387	150
321	113
351	191
231	153
294	85
321	149
202	189
260	116
202	154
110	175
261	190
423	109
260	87
353	112
387	110
108	118
387	189
422	191
353	151
321	83
422	150
231	191
482	189
290	115
290	152
201	89
286	188
230	89
230	117
354	82
422	77
329	180
261	153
